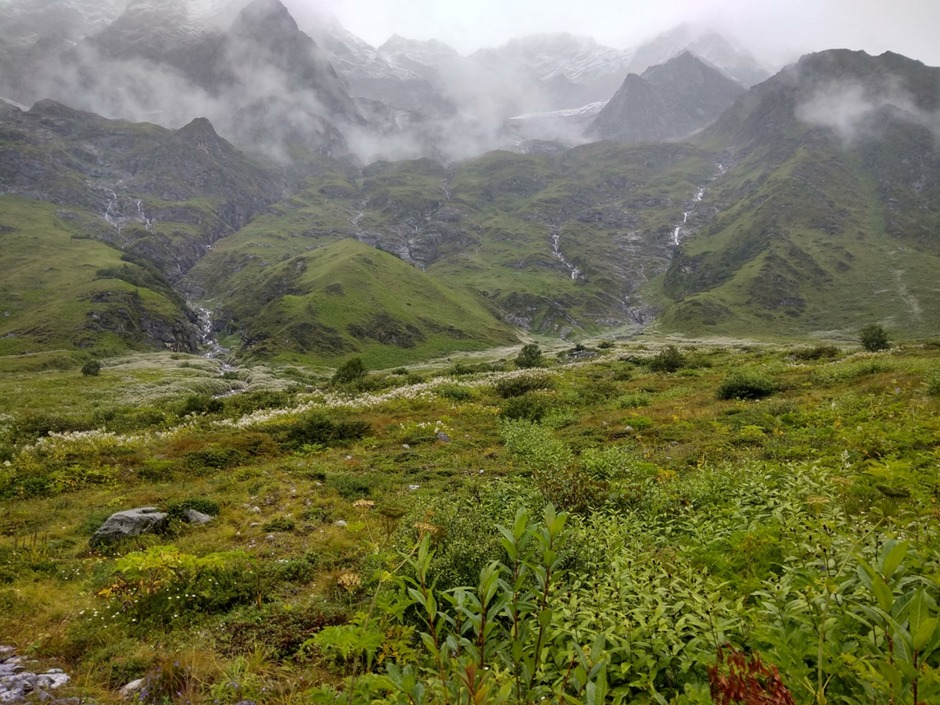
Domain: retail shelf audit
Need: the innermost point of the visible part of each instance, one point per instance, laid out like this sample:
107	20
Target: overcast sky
776	29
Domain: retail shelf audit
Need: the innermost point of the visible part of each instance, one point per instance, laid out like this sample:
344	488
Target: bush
745	384
528	406
350	371
92	368
318	429
517	386
201	404
214	458
668	359
829	352
529	356
873	338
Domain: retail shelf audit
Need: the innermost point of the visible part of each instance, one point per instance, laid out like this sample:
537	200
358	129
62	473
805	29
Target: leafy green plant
92	368
746	384
529	356
520	384
350	371
874	338
669	359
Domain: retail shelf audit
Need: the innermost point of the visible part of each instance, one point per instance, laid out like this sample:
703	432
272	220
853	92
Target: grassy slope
57	294
724	490
347	298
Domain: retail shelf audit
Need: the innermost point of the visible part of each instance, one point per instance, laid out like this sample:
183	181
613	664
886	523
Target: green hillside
820	229
347	298
63	291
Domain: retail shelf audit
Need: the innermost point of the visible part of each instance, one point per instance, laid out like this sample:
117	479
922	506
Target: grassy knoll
665	511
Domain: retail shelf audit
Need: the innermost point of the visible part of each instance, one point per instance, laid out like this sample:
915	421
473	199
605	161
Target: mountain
558	71
667	102
162	194
827	217
558	243
708	45
262	81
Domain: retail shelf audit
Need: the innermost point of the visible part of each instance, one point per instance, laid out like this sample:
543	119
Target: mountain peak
265	17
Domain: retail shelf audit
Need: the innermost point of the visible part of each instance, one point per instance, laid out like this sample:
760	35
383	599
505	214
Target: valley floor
626	523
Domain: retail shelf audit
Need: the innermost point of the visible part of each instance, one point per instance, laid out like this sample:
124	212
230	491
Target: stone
191	516
340	523
443	437
130	689
129	523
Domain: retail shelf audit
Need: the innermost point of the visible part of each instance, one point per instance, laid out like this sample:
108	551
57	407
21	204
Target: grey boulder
129	523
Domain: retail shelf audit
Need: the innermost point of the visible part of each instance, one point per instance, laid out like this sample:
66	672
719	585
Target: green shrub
455	392
633	401
517	386
746	384
282	524
529	356
350	371
92	368
201	404
933	384
530	407
669	359
214	458
873	338
819	352
317	428
350	486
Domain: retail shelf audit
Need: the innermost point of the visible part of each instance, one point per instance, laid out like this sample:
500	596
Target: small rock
412	488
406	446
341	523
443	437
129	690
191	516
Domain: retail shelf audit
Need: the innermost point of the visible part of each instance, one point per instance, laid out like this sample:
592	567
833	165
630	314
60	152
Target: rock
132	522
191	516
340	523
443	437
412	488
128	691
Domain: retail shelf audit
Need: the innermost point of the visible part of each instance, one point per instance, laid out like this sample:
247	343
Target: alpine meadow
546	372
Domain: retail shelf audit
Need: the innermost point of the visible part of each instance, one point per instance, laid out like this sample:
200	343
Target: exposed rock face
130	523
667	102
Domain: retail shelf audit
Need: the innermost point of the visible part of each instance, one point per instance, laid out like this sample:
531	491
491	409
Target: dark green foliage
530	407
177	508
874	338
819	352
350	371
246	403
280	524
746	384
92	368
316	428
529	356
669	359
280	629
351	486
214	458
517	386
201	404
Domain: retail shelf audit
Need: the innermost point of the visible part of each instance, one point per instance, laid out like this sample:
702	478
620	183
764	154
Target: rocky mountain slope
668	101
829	214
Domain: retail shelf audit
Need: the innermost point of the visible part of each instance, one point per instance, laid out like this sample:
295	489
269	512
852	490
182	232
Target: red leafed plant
739	679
